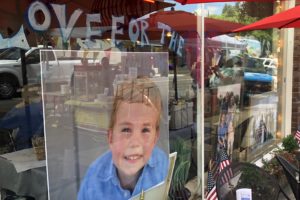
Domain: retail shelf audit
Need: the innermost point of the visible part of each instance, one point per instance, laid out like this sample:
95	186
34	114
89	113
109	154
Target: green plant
182	166
249	177
289	143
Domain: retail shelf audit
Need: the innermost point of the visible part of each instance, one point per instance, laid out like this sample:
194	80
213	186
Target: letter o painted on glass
133	35
34	7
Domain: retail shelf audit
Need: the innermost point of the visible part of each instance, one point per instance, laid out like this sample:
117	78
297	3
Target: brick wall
296	83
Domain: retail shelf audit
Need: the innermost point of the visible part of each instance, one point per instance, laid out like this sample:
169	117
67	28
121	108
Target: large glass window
61	67
243	93
255	69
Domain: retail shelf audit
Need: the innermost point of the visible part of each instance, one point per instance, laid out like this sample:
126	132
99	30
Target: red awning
213	27
185	23
286	19
211	1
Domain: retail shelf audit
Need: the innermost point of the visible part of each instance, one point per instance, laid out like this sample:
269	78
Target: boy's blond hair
140	90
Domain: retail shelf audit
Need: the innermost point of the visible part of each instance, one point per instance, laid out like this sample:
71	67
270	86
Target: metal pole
25	91
175	76
23	66
200	111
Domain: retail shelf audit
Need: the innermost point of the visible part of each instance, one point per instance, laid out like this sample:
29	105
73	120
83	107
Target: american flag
211	187
214	169
297	136
224	162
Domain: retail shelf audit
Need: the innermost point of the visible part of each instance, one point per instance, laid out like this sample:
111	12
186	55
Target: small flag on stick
211	187
224	162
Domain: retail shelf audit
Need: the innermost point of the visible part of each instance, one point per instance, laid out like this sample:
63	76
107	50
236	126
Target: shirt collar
110	173
153	159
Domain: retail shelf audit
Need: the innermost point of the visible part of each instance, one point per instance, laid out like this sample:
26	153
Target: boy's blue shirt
101	181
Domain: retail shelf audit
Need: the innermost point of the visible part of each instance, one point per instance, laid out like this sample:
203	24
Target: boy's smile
133	158
133	138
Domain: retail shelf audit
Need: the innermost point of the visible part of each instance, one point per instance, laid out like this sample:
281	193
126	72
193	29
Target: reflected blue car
251	76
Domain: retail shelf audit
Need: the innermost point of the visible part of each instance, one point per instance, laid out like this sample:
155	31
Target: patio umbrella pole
175	76
23	65
25	90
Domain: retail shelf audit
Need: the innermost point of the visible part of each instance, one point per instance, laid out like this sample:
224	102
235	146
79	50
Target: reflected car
57	68
269	62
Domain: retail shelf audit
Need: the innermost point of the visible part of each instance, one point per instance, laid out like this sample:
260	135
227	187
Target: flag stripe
297	136
212	195
211	187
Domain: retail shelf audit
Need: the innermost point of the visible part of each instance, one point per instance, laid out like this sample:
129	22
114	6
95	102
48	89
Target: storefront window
64	67
243	97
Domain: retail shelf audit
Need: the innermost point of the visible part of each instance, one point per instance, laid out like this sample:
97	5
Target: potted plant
289	143
290	146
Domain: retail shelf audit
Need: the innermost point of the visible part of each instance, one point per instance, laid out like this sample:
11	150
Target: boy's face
133	137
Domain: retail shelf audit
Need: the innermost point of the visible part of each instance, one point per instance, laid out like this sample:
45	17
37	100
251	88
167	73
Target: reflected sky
213	8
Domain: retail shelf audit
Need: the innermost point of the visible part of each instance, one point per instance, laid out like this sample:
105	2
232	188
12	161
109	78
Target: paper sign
244	194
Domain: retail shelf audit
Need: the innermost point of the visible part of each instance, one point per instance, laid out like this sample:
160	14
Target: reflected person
133	163
107	75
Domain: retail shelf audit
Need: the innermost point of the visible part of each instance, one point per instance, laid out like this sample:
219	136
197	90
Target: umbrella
187	25
286	19
211	1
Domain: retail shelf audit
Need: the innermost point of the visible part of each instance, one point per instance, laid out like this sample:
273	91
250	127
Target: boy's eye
145	130
125	130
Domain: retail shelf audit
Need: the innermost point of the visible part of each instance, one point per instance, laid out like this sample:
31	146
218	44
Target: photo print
106	122
229	101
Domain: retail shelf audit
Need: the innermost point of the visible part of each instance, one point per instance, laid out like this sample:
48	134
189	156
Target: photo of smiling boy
133	163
